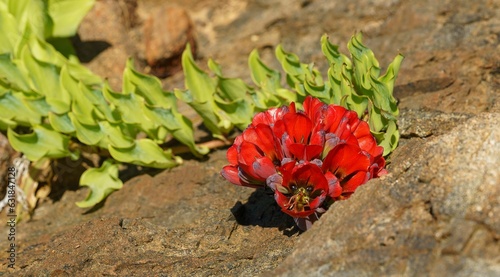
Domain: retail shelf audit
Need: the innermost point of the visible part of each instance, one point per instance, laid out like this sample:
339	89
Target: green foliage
51	105
354	83
94	178
61	101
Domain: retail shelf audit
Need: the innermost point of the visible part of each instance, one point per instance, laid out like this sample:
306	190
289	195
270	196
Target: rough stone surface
102	41
435	214
167	30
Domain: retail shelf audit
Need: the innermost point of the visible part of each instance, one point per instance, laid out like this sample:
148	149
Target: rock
435	214
166	31
102	42
185	221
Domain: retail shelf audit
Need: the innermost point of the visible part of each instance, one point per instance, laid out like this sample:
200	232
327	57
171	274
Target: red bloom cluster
309	158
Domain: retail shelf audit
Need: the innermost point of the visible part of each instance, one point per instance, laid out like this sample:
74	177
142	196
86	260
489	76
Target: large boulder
435	214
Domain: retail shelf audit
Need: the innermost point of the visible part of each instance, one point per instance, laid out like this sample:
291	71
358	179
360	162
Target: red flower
300	188
309	158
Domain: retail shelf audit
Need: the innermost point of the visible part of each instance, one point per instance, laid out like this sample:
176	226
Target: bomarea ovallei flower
309	158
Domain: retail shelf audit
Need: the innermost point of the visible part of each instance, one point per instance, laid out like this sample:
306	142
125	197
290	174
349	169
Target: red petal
263	137
281	199
232	155
314	108
317	137
354	182
230	173
268	117
334	188
298	126
310	174
267	142
248	153
297	150
279	129
312	152
333	117
263	167
345	159
361	129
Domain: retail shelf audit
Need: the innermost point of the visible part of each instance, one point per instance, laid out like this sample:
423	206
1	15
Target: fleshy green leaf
149	87
232	89
45	52
178	125
43	142
102	182
297	72
7	123
262	75
146	153
116	135
37	104
392	73
82	73
333	55
237	112
197	81
90	134
129	105
10	75
83	110
67	14
45	78
61	123
12	107
205	110
9	35
200	93
388	139
38	18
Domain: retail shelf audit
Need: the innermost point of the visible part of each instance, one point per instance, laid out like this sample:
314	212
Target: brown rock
167	30
102	41
436	214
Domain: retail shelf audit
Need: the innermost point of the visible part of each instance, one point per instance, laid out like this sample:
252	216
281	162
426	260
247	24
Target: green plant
51	105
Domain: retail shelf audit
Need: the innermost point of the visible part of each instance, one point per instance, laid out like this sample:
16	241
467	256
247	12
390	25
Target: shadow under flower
261	210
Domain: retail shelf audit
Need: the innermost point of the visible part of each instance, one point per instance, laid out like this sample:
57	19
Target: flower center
300	198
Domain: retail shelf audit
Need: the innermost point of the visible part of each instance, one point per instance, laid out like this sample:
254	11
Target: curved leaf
178	125
9	35
12	107
61	123
66	15
10	73
145	152
43	142
102	182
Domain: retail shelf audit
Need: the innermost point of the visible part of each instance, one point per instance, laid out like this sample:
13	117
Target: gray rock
435	214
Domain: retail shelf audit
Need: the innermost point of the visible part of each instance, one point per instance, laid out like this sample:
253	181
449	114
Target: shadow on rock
89	50
262	210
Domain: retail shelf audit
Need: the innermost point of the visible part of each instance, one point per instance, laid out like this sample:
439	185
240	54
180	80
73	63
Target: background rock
433	215
166	31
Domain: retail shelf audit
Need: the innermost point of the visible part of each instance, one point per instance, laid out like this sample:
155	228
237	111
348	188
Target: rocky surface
436	213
